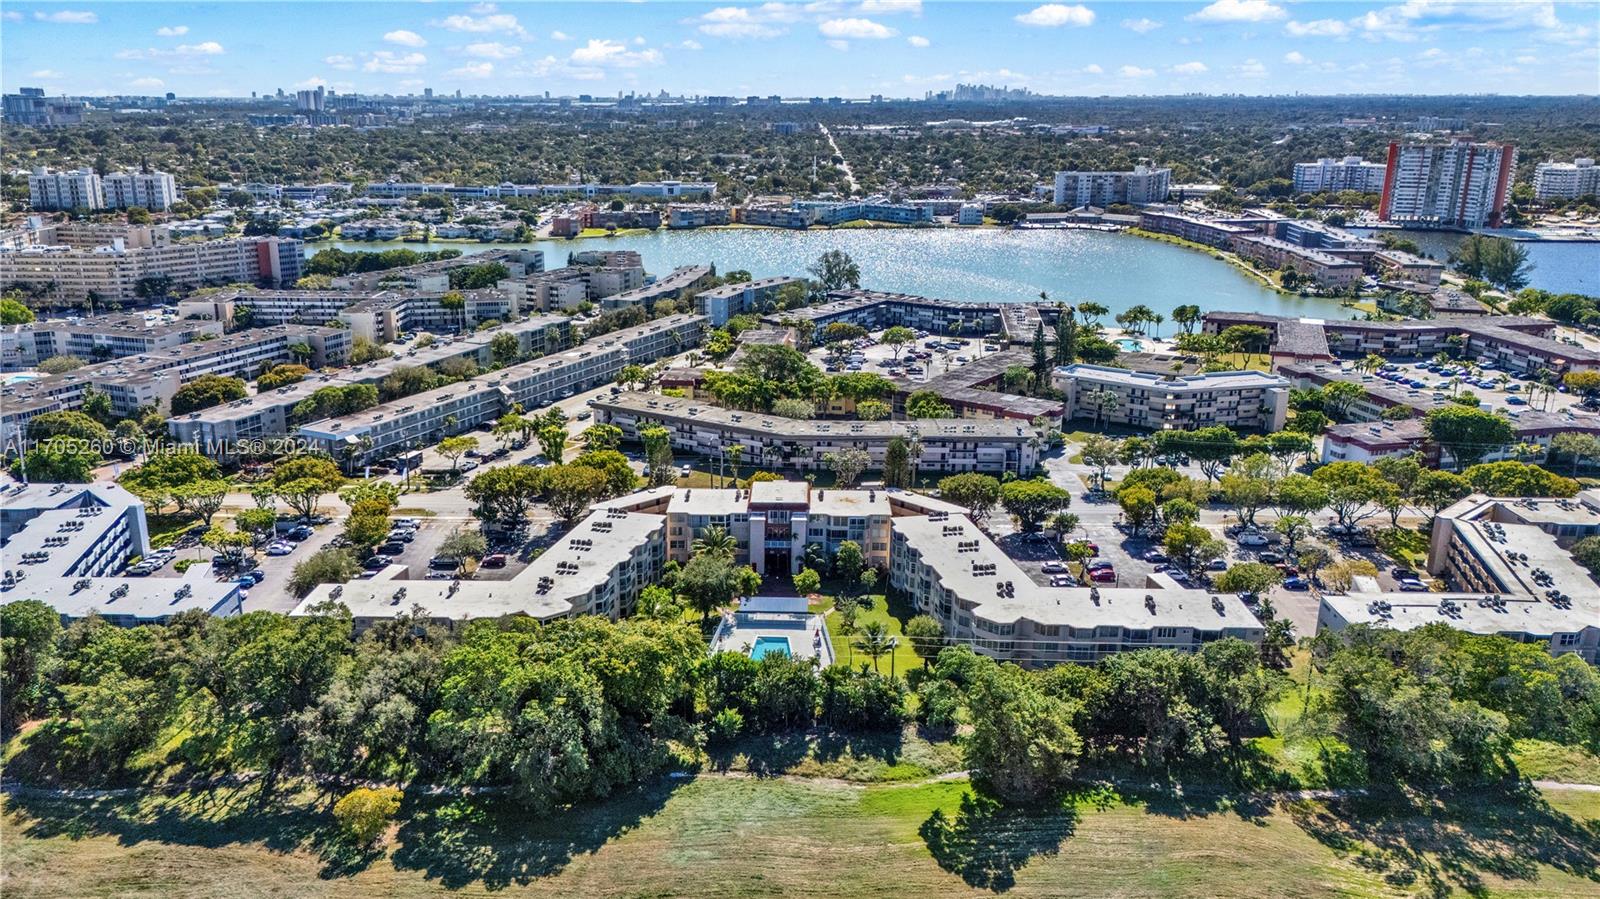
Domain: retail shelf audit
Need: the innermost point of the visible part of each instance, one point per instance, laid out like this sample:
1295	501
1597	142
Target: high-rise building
312	100
156	191
1566	180
1142	186
29	106
81	189
1459	184
1330	175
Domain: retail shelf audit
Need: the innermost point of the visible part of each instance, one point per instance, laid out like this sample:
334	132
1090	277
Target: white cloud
310	84
1190	68
841	46
764	21
182	51
613	54
405	38
68	17
1135	72
1239	11
11	15
1054	15
1250	68
692	45
1317	28
485	18
393	63
858	29
147	83
917	40
338	61
1142	26
1295	57
492	50
560	36
172	31
47	74
1092	69
473	70
890	7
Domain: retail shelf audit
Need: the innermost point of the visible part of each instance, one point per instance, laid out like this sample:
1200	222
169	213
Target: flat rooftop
142	598
1222	380
653	406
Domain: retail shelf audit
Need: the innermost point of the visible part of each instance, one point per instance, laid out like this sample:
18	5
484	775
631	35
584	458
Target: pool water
1129	345
769	645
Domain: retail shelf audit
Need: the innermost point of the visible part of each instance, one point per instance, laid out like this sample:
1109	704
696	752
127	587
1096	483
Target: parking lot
1495	389
929	356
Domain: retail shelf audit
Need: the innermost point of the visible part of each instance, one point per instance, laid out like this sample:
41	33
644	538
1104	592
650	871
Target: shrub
363	813
725	725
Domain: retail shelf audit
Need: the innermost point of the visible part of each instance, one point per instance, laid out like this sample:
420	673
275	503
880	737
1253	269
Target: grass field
742	836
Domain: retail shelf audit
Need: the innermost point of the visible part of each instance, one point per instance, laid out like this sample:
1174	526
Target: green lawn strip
166	529
844	651
1542	760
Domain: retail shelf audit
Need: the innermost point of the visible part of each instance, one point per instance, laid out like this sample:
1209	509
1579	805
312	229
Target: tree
836	270
325	566
1339	396
979	493
1138	506
62	460
1293	528
231	544
56	365
240	199
206	391
847	464
1352	486
1100	453
1190	545
1023	746
849	562
1213	447
1468	434
28	631
569	490
807	582
717	541
874	641
504	494
1248	485
365	812
505	349
927	404
166	470
71	424
1247	339
304	480
1249	577
711	581
1498	260
1512	478
14	312
1300	494
553	442
1435	490
282	376
258	523
897	464
203	498
896	339
926	635
453	448
464	544
873	410
1031	502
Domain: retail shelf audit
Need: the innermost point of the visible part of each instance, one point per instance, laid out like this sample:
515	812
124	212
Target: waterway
1558	266
988	265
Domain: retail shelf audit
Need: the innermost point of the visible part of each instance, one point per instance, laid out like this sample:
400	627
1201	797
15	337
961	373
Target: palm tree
735	451
716	541
875	641
1158	320
1103	401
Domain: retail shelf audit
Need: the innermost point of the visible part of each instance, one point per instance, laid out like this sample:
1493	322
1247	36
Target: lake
1558	266
988	265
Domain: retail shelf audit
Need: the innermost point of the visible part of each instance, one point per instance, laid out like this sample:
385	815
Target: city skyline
896	48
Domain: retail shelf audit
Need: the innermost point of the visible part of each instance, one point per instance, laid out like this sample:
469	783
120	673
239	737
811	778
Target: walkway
849	174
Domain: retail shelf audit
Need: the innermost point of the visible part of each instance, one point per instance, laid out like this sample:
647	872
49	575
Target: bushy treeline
577	709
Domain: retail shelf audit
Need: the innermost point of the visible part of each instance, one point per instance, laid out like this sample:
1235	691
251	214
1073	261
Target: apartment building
435	276
123	274
669	287
1328	175
1212	232
96	338
772	215
1246	400
951	570
1324	268
1460	184
1516	343
227	431
562	288
426	417
1142	186
155	191
971	391
1398	265
29	106
668	189
786	444
719	304
1507	572
598	568
876	310
1566	180
698	215
150	379
78	189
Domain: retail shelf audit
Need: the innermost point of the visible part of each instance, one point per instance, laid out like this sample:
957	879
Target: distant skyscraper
1139	187
427	93
29	106
1460	184
65	190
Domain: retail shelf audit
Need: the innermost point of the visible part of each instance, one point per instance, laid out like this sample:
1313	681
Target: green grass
166	529
857	758
741	836
904	659
1246	361
1541	760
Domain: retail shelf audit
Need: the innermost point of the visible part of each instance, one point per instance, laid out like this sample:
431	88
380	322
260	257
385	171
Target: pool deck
807	633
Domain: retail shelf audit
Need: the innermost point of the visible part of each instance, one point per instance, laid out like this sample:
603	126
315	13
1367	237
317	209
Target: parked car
1054	568
1296	583
376	563
1063	580
300	532
280	549
405	523
402	535
1252	539
1412	585
1217	565
1401	572
1095	564
1103	575
494	560
444	563
1155	555
1270	558
392	548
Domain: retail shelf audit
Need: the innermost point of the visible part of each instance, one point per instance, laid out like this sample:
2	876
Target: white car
1252	540
280	549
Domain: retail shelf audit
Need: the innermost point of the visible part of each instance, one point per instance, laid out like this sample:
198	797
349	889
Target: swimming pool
1129	345
769	645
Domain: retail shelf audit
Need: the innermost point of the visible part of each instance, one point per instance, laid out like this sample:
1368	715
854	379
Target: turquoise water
1129	345
766	645
988	265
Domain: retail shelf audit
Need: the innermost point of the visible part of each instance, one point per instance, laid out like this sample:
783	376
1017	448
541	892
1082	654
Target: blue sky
893	47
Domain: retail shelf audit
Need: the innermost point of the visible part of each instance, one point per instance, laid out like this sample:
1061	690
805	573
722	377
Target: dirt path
849	174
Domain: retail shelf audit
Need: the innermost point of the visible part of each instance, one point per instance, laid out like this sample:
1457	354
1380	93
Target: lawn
166	529
739	836
1246	361
894	616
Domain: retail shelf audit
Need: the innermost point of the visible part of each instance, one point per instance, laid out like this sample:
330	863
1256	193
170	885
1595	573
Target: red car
1093	546
494	560
1103	575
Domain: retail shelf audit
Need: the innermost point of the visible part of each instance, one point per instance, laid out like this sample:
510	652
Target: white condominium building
1249	400
123	274
1459	184
155	191
1566	180
80	189
1142	186
1331	175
